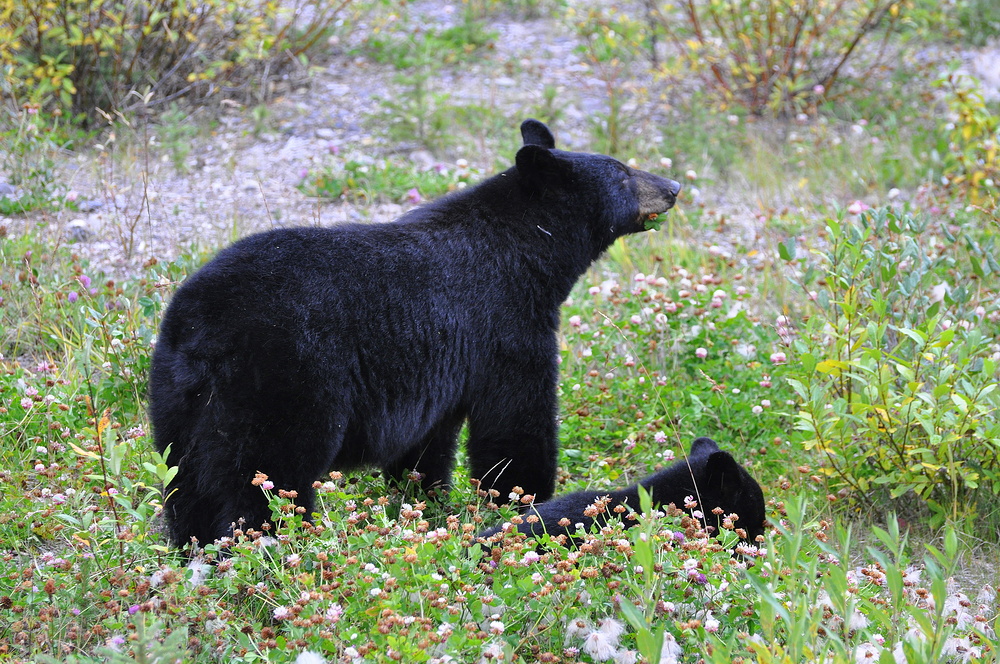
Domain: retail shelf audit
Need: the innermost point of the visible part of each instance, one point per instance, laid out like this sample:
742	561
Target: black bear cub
709	475
301	350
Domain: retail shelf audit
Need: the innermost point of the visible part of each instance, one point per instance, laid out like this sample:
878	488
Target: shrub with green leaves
777	56
970	141
78	55
898	384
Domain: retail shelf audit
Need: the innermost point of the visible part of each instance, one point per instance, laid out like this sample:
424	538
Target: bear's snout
656	194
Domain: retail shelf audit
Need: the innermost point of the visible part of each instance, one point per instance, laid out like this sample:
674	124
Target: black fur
300	350
708	474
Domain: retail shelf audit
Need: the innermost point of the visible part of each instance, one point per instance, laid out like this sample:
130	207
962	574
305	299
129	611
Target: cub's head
616	199
722	482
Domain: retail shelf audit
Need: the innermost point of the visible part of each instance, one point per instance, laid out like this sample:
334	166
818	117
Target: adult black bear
712	477
300	350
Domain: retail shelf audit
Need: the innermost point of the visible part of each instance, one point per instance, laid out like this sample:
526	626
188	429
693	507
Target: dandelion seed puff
898	655
577	628
308	657
671	650
491	653
986	597
612	628
600	646
626	657
858	621
867	652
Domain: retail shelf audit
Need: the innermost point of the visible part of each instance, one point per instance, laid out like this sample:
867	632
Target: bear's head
617	198
722	482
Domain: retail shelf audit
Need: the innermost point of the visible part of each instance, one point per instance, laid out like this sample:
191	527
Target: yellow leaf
831	367
105	421
803	182
82	452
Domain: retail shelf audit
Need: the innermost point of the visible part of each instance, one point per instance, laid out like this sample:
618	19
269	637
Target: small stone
79	230
326	133
89	205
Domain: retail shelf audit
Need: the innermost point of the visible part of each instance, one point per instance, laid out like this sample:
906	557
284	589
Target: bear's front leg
513	440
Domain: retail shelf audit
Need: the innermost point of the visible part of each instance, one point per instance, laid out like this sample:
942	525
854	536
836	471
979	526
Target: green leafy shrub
977	20
817	604
898	383
969	149
776	55
79	55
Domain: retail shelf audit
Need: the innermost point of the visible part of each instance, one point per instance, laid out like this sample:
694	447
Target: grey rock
79	230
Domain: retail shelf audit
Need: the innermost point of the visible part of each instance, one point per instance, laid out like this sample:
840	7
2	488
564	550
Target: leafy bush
776	55
79	55
898	382
969	153
816	604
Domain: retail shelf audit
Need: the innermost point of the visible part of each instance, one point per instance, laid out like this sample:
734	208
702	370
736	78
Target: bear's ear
703	447
724	477
538	167
535	133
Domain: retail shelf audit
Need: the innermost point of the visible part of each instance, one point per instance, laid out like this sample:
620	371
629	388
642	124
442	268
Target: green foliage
815	604
176	132
79	55
647	362
700	137
31	142
978	20
898	382
969	154
418	112
776	56
611	42
384	180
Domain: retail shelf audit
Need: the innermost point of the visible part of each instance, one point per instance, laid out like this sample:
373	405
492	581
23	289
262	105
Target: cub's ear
538	167
724	477
703	447
535	133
